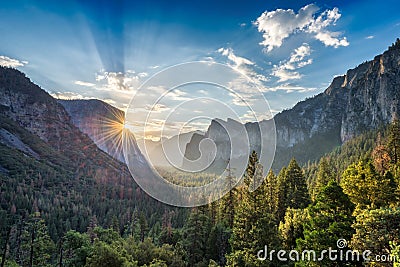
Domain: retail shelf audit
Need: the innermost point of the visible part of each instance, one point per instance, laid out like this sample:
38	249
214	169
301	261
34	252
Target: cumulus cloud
279	24
285	70
11	62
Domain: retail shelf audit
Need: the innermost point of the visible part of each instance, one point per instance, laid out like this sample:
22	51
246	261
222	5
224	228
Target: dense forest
351	194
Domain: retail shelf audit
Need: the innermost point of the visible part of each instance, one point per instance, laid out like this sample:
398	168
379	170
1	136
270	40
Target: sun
109	131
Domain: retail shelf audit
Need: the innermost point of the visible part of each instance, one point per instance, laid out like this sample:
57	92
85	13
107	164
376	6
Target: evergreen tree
195	237
330	219
272	193
380	156
228	202
253	227
36	242
218	243
76	247
366	187
291	228
394	140
324	175
375	230
250	170
143	226
293	192
281	200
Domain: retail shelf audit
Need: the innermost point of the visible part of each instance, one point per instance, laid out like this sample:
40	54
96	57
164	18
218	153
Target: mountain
48	165
102	123
363	99
157	150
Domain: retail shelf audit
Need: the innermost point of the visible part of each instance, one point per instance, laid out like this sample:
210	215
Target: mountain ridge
363	99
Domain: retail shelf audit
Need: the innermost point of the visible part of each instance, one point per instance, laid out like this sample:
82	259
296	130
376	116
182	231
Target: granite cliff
360	100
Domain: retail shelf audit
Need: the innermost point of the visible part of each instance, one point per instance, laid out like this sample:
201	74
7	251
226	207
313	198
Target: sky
290	50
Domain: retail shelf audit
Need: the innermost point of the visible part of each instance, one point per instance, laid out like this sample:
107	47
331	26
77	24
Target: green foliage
291	228
76	248
395	252
394	141
36	243
195	236
105	255
366	187
324	175
253	227
375	229
218	243
330	219
292	189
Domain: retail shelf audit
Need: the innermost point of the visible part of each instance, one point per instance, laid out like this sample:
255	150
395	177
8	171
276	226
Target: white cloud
286	69
238	61
329	39
279	24
370	37
118	81
68	95
289	88
82	83
157	108
285	75
11	62
244	65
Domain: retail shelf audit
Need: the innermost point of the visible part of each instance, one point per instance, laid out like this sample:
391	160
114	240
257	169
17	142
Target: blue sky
106	49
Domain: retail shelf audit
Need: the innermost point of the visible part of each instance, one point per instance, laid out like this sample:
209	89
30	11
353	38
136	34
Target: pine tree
218	243
36	244
324	175
228	202
196	234
272	193
330	219
253	227
394	140
366	187
293	190
250	170
143	226
291	228
375	229
281	200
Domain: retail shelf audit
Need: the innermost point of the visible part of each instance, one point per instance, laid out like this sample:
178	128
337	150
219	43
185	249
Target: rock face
40	114
100	121
361	100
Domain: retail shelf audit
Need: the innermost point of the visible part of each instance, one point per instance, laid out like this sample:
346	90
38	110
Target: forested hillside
351	194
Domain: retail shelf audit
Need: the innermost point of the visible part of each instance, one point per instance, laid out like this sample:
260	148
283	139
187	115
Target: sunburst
110	131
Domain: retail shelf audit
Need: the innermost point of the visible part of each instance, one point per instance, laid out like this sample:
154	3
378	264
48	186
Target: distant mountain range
363	99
